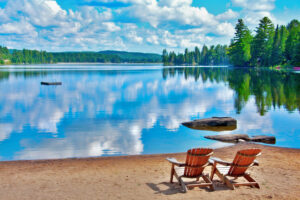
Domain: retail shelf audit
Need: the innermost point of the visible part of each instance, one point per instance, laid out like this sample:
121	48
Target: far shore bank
83	63
90	63
144	177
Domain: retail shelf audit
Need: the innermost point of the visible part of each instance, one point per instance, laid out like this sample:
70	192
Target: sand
144	177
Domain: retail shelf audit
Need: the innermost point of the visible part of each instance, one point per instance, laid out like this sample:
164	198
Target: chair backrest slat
196	159
242	161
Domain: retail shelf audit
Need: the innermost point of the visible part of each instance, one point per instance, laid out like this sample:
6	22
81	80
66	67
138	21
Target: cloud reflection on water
96	114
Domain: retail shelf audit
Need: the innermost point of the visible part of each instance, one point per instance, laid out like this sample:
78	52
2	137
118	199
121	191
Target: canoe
51	83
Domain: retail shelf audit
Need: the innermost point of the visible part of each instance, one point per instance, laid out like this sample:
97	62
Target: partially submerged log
264	139
213	124
51	83
229	137
235	138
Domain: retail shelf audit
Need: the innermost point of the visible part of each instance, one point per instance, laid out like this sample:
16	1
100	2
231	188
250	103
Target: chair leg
228	183
172	173
207	180
224	179
213	171
183	186
250	179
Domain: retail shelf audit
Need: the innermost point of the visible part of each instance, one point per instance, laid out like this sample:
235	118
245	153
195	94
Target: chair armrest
175	162
219	161
222	162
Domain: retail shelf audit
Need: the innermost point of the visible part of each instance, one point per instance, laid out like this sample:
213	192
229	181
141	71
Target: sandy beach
144	177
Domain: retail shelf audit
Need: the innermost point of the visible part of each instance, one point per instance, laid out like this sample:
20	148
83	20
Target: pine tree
191	58
172	58
211	55
165	56
179	59
293	38
204	55
296	53
276	55
283	38
197	55
186	56
261	48
239	49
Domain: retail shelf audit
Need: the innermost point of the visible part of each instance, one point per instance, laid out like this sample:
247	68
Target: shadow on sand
167	188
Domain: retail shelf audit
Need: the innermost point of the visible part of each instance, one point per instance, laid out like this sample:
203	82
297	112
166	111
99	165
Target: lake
105	110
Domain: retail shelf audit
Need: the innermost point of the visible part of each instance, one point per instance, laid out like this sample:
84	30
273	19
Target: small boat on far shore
51	83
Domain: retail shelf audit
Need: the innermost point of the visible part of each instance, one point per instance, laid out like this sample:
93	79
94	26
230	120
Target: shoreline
142	155
83	63
144	177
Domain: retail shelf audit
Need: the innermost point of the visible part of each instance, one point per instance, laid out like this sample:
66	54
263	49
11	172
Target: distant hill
106	57
134	56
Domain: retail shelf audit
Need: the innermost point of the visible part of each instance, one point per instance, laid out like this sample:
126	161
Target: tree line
213	55
268	46
26	56
73	57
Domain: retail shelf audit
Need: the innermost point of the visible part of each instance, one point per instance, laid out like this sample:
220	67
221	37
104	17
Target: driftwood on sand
213	124
234	138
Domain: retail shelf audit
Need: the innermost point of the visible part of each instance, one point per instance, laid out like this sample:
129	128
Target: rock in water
213	124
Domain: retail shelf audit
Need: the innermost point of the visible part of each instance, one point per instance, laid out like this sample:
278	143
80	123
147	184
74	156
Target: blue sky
132	25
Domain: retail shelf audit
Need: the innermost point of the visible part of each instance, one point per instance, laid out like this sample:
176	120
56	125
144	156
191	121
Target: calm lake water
103	110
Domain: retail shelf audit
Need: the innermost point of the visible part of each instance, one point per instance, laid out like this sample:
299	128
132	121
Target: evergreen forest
26	56
268	46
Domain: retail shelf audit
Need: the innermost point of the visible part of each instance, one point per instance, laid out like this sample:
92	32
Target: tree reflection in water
271	88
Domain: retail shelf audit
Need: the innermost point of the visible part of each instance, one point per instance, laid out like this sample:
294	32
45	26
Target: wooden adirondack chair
196	161
242	161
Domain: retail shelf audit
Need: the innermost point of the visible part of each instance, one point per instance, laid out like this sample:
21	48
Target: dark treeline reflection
4	75
270	88
26	74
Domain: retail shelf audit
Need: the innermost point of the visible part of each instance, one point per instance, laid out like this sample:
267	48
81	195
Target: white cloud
39	12
229	14
252	17
253	11
5	131
175	3
111	27
225	29
155	14
258	5
80	142
139	26
153	39
132	35
249	120
21	27
43	24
